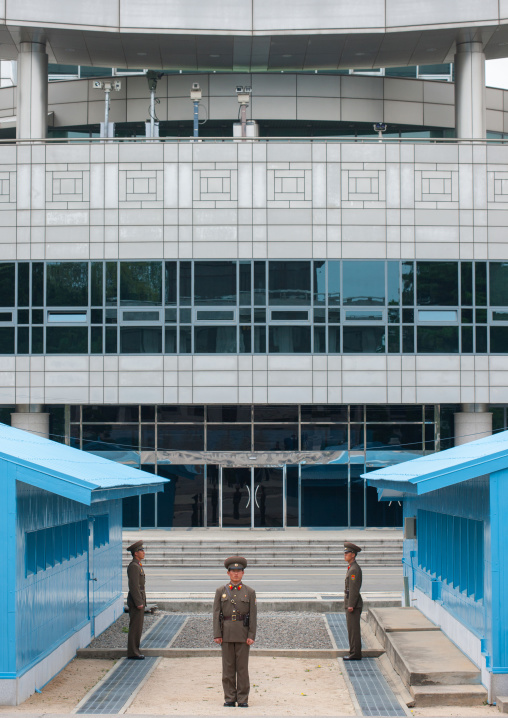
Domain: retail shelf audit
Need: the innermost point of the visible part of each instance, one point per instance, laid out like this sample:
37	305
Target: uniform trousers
235	672
136	618
354	632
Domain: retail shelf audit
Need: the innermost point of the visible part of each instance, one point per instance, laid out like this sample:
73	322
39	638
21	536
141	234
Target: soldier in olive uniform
353	601
136	600
234	628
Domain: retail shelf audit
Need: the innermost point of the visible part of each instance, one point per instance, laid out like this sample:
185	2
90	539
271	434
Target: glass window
181	505
96	282
214	283
37	340
235	437
319	282
111	284
319	340
130	512
289	283
437	340
275	437
498	339
181	437
326	412
181	414
407	283
498	285
170	340
481	340
111	340
7	284
480	282
110	437
67	340
363	340
245	284
185	283
215	340
37	284
23	284
140	340
260	284
322	437
437	284
363	283
408	339
333	283
259	340
140	284
324	495
394	413
393	283
23	340
395	436
466	283
229	414
104	413
96	340
357	494
275	412
6	340
170	283
467	340
334	340
67	284
290	340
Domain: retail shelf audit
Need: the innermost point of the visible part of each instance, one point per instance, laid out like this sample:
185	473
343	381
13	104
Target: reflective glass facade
254	307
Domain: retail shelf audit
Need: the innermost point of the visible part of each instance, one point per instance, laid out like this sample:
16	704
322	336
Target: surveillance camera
380	127
97	84
117	85
247	89
195	86
238	89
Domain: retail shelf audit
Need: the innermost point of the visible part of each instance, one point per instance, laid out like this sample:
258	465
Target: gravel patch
116	637
275	630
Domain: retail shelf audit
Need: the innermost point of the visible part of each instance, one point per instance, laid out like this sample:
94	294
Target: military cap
135	547
348	546
235	562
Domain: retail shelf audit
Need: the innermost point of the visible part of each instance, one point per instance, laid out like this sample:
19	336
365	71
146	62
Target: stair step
453	695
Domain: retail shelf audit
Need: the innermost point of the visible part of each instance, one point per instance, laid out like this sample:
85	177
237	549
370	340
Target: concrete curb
210	652
292	605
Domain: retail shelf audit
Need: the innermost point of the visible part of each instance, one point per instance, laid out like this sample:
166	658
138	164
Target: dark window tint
23	340
498	284
37	284
98	413
480	283
140	340
326	412
276	437
324	495
228	438
182	503
67	340
214	283
260	284
130	512
319	279
181	413
215	340
438	340
357	494
37	340
363	340
228	414
377	412
274	412
407	283
466	283
320	438
67	284
181	437
290	340
147	437
363	283
96	340
437	284
7	284
170	283
333	283
395	436
393	283
382	513
408	339
245	284
289	283
140	283
97	284
498	340
185	283
23	284
111	284
107	437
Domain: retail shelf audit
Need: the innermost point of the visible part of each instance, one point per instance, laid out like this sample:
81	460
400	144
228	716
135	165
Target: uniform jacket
136	576
352	586
245	602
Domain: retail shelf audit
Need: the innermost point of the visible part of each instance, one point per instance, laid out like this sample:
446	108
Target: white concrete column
32	106
473	422
470	97
32	418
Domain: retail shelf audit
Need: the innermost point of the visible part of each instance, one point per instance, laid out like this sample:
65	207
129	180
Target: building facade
260	319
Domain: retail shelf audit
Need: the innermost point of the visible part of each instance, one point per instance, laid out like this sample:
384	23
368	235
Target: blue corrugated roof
71	472
444	468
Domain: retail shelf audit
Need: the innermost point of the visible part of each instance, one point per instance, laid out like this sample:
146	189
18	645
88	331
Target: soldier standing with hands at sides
234	629
353	601
136	600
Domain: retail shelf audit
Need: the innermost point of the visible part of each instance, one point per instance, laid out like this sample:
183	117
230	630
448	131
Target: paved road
270	580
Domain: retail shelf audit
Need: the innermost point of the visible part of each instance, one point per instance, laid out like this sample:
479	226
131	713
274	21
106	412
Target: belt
238	617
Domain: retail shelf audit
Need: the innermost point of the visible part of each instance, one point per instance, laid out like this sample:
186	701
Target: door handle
93	579
248	501
255	495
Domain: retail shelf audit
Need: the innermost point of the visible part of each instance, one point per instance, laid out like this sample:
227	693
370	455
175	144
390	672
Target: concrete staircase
432	668
305	552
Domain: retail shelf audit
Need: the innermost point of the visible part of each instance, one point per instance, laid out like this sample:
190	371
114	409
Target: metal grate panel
373	693
338	627
113	694
163	632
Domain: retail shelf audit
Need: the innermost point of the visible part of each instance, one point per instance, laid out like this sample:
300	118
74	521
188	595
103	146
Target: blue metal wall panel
468	500
498	645
53	603
7	585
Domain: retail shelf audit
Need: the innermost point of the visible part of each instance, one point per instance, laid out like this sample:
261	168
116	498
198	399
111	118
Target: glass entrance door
253	497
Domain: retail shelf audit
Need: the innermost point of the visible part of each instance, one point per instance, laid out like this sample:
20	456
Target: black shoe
136	658
229	704
243	705
351	658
